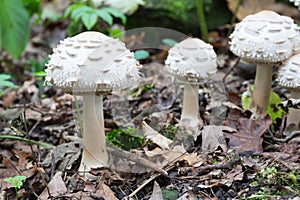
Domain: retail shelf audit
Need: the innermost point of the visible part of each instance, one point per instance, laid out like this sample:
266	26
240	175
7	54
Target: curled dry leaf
56	187
157	193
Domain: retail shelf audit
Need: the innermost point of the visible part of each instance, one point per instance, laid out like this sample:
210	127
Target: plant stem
262	90
78	115
12	137
202	21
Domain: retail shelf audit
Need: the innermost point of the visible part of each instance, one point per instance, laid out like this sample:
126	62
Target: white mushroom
266	39
91	64
191	61
289	77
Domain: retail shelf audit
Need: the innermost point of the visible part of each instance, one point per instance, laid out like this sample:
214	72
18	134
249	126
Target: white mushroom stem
190	110
262	89
294	114
94	149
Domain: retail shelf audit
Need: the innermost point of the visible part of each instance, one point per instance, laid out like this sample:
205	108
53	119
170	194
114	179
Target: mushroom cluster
91	64
191	61
289	77
265	39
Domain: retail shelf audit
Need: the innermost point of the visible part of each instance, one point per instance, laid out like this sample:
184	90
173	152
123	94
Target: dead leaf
56	187
155	137
188	196
248	7
105	192
248	137
213	137
157	193
9	99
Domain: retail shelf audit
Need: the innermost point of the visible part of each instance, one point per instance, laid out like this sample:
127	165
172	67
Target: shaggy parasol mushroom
191	62
91	64
289	77
265	39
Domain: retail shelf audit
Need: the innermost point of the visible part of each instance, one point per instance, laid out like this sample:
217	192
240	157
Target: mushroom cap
92	62
191	61
265	37
296	3
289	73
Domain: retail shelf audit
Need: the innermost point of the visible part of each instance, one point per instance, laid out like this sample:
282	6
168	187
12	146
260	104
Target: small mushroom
191	61
91	65
289	77
265	39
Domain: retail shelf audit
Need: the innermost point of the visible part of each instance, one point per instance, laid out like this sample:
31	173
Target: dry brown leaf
248	7
156	137
105	192
56	187
248	137
157	193
213	137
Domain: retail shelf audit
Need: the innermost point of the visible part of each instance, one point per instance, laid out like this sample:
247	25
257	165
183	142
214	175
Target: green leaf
169	42
105	16
141	54
273	109
89	19
115	33
40	74
16	181
116	13
71	8
14	27
76	14
32	6
5	82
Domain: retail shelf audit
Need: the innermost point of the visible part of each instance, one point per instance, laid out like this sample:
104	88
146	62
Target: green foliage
16	181
89	16
32	7
170	194
14	27
273	110
126	139
141	54
271	181
169	131
140	90
5	83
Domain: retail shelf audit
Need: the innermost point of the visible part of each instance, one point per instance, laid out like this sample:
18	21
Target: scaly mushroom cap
265	37
296	3
289	73
192	61
92	62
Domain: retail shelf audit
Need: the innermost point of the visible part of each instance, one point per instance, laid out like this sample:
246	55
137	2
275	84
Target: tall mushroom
191	62
289	77
91	64
265	39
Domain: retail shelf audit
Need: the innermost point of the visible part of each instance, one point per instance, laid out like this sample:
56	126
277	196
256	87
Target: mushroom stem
262	89
190	110
294	114
94	148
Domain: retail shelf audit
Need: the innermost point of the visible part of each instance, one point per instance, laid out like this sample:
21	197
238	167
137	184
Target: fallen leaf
248	138
103	191
157	193
155	137
213	137
55	187
248	7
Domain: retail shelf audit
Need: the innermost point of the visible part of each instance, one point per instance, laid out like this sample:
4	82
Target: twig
12	137
231	68
288	138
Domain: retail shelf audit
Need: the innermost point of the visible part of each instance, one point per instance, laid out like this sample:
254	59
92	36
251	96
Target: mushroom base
293	118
